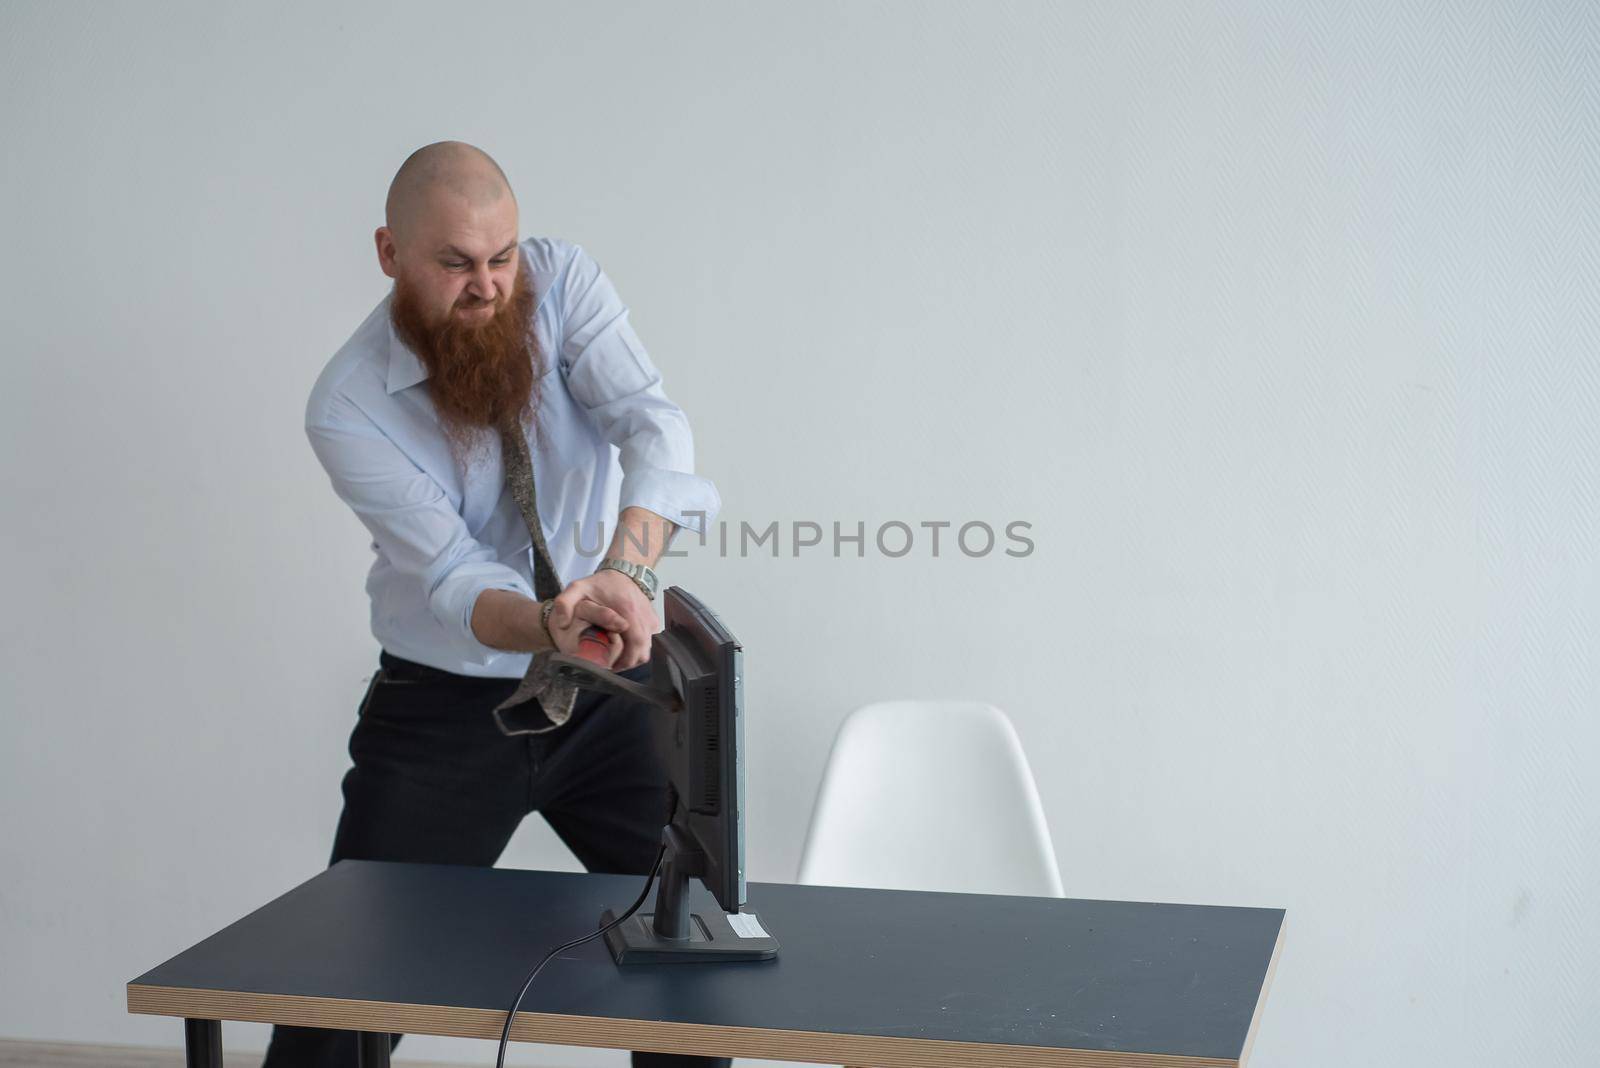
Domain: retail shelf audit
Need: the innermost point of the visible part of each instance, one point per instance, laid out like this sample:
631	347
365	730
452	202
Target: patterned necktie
519	480
535	693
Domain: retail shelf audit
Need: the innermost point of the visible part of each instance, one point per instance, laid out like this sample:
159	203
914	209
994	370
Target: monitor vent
713	742
710	712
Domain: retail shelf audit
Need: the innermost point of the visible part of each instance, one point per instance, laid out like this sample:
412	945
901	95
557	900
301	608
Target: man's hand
618	593
589	613
641	537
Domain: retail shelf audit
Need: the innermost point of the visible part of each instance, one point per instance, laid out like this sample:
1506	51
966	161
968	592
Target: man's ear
384	239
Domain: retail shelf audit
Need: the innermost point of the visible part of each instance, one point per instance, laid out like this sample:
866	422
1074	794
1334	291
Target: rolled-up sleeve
611	376
410	518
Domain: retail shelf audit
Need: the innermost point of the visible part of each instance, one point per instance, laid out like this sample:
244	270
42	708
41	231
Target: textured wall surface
1278	323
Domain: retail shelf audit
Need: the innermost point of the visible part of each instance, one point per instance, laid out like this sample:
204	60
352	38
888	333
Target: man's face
459	262
461	305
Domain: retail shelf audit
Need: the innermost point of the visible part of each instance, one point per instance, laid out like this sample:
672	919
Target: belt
398	667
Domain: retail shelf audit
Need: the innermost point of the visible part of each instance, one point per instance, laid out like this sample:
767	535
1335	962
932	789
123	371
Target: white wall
1278	323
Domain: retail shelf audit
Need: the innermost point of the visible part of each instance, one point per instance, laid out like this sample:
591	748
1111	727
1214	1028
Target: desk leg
202	1043
372	1049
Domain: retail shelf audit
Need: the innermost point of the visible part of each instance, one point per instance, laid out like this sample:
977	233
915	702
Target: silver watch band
642	576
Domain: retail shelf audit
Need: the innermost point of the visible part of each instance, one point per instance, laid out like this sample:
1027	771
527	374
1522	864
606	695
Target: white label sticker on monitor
745	925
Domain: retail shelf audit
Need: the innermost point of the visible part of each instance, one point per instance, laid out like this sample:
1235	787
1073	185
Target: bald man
491	358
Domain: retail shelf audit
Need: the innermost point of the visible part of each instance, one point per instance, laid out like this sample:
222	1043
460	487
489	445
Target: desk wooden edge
654	1036
1261	998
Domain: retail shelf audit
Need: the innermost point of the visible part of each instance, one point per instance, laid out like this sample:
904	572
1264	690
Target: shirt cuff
688	500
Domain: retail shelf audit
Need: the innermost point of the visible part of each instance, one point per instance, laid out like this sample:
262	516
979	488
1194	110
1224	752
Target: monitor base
711	938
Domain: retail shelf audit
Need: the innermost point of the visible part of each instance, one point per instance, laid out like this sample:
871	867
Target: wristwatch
642	576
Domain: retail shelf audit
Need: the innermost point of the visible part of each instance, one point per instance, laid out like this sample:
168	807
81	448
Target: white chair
927	795
930	795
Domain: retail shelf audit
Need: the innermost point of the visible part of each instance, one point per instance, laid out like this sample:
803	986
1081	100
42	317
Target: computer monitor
696	692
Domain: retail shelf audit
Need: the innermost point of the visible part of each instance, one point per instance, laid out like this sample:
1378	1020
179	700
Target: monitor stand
674	935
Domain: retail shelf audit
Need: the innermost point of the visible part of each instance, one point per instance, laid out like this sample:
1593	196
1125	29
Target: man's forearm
504	619
641	536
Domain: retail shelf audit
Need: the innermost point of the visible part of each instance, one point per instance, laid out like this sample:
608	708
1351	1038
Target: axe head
587	675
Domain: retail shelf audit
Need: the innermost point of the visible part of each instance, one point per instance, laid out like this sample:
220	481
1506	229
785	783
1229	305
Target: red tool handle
594	645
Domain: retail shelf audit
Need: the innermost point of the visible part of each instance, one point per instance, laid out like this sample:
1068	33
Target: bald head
446	177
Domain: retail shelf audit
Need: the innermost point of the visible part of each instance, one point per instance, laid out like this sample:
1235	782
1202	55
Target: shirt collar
405	370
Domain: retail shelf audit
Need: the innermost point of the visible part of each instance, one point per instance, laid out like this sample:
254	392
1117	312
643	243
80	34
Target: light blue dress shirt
608	439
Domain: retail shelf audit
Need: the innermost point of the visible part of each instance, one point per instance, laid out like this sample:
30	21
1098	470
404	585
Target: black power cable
505	1032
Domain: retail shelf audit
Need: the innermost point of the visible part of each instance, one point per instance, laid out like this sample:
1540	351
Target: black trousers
434	781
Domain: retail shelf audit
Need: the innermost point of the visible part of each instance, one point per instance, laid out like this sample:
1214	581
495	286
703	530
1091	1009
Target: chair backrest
930	795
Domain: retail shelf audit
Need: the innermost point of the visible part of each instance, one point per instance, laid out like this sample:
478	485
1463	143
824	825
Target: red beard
482	375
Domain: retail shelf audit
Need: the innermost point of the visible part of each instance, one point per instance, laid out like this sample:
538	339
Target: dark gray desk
865	977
